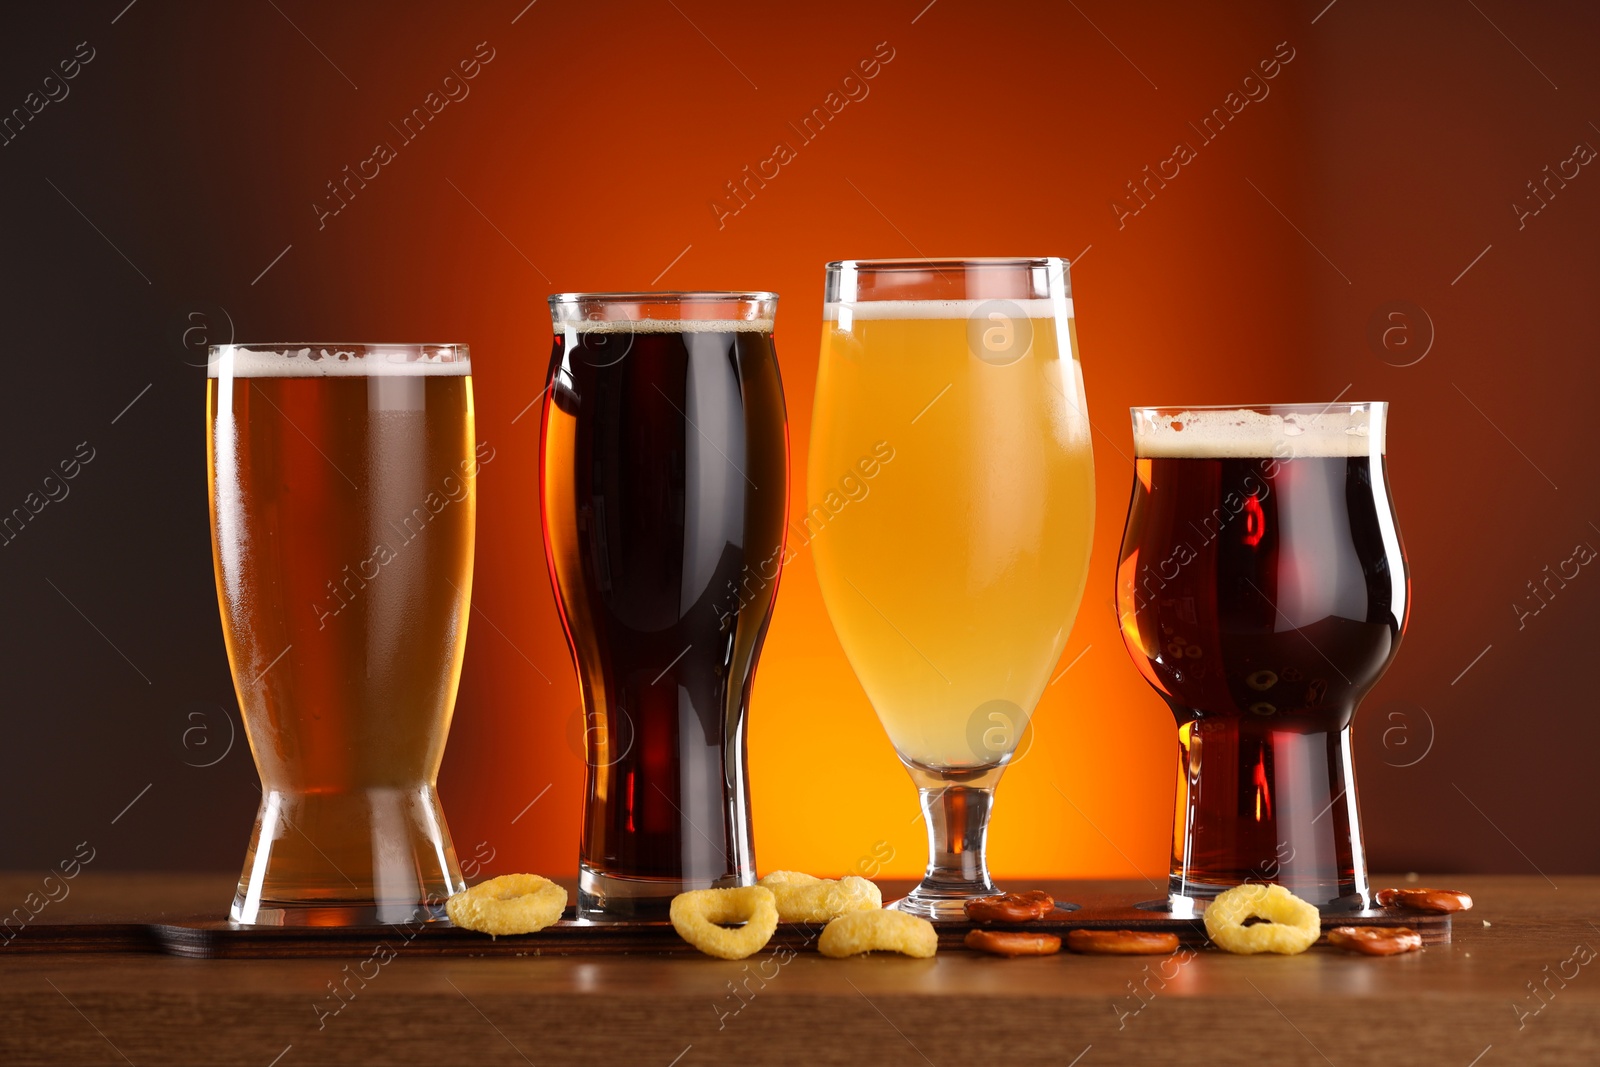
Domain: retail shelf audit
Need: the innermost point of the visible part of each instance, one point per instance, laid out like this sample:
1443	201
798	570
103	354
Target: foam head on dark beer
669	325
1246	434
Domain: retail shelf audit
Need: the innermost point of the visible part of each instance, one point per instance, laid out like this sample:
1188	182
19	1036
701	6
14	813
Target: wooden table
1466	1003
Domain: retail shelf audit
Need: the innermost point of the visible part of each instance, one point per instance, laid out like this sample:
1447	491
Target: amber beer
1263	591
343	496
665	490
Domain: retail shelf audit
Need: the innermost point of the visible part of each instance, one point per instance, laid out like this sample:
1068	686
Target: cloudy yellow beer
953	582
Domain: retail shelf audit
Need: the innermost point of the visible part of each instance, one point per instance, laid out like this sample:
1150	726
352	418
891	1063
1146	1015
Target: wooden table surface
1470	1003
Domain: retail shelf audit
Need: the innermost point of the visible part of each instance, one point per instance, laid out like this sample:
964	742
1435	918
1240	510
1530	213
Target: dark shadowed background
1405	210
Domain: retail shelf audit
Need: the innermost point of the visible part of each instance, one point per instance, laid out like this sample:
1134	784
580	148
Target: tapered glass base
606	897
354	858
1258	802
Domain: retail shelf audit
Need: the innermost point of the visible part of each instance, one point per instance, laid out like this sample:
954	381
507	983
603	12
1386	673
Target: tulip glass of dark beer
664	484
1262	591
343	496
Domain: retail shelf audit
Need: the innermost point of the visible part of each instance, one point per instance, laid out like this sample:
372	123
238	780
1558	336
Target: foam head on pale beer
1000	331
839	310
338	361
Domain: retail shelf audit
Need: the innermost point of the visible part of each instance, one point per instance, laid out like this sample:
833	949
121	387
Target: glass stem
955	806
958	837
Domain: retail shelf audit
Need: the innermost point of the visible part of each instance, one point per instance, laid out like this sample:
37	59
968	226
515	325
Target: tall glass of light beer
343	497
1262	591
953	585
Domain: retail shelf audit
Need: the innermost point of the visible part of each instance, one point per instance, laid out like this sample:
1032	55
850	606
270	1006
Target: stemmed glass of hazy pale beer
1262	591
954	582
664	491
343	499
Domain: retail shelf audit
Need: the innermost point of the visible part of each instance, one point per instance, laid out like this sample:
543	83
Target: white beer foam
937	309
667	325
1246	434
334	361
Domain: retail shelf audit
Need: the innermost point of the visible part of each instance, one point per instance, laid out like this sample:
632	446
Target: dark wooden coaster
214	939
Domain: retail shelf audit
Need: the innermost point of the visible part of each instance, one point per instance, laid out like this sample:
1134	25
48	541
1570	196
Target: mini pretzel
1122	942
1439	900
802	898
696	916
1375	940
855	932
1291	925
1013	943
1010	907
509	904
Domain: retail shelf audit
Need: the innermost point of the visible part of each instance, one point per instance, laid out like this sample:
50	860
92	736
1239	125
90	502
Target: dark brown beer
664	486
1262	597
343	503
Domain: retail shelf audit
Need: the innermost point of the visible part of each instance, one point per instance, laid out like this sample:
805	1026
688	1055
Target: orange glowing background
944	152
600	152
590	151
917	165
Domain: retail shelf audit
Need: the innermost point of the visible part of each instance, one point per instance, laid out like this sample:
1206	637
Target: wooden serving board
218	939
83	937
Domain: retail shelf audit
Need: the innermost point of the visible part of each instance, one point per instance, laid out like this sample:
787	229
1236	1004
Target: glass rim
665	296
1293	408
905	263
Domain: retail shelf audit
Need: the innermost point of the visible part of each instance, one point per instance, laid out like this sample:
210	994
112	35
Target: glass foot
363	857
1187	899
940	904
366	913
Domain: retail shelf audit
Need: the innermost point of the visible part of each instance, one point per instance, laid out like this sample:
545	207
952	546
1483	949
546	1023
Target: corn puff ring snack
509	904
700	916
804	899
856	932
1291	925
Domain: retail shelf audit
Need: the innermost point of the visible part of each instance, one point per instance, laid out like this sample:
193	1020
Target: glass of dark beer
1262	591
343	503
664	491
